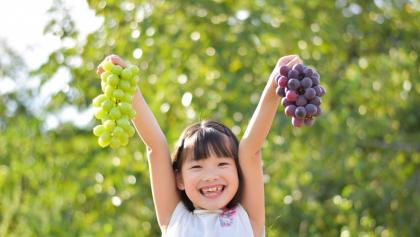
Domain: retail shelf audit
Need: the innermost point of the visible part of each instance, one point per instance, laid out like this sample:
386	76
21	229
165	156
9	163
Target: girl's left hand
289	60
115	59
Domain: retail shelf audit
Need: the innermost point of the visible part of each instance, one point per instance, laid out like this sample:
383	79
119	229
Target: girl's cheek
192	177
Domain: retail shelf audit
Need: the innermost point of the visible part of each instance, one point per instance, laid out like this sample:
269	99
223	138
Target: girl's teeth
212	189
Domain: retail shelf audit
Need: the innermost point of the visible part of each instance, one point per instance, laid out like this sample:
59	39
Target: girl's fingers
99	70
114	59
294	61
286	59
117	60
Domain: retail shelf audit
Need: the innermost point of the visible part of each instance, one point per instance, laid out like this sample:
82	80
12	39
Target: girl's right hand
115	59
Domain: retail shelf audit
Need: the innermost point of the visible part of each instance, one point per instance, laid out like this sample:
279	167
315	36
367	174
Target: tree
355	172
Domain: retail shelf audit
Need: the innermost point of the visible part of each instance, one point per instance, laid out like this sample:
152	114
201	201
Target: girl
213	185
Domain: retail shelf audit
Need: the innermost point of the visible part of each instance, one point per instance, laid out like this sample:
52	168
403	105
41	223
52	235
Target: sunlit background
356	172
22	29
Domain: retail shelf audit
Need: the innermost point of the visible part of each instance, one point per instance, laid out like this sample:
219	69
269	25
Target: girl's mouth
212	191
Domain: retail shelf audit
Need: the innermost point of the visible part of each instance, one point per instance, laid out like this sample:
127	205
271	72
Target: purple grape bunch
301	93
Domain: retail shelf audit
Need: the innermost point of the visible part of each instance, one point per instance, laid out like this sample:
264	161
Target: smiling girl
213	184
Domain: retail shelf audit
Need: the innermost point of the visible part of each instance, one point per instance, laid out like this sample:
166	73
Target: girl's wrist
270	92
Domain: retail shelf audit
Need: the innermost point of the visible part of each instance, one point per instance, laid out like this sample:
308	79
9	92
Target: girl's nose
210	176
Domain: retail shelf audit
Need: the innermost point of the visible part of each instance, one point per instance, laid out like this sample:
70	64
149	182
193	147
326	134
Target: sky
21	24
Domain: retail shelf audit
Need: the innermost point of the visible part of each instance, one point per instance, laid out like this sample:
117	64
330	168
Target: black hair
207	137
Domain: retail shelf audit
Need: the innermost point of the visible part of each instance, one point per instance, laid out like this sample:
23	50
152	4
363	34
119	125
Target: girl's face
209	183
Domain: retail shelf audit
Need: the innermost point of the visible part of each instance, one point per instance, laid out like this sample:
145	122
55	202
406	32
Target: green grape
109	90
131	113
98	130
131	131
124	85
113	80
104	140
98	100
102	143
123	121
133	82
134	70
115	113
108	65
126	127
115	142
118	131
126	74
132	89
103	85
105	75
109	125
118	94
100	113
114	107
116	69
127	98
107	105
124	107
124	139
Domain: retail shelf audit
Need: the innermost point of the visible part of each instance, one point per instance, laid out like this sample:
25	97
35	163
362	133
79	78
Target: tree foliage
354	173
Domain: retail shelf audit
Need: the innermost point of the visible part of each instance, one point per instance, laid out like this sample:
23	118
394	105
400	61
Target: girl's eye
196	167
223	164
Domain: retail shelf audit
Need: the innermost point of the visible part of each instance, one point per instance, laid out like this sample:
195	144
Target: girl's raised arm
162	177
250	148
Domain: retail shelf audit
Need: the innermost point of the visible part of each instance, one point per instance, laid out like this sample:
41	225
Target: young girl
213	185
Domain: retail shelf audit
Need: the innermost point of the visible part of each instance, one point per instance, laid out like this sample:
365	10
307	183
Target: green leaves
354	172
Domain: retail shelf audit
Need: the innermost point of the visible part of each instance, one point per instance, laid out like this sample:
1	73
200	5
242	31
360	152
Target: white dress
209	223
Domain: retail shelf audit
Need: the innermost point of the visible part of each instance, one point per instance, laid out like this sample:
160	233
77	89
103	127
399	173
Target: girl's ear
179	181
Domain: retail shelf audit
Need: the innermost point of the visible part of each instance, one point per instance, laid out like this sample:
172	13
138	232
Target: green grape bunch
113	106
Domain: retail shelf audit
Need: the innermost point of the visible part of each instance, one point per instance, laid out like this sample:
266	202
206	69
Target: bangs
200	141
207	142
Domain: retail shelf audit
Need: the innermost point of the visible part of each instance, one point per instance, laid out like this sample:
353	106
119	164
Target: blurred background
356	172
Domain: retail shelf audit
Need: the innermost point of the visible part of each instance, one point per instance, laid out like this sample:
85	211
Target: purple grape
309	121
308	72
293	74
322	91
293	84
290	110
301	100
277	79
315	78
297	122
306	82
318	111
301	91
285	102
309	93
298	68
283	81
291	95
318	90
315	101
284	70
300	112
311	109
280	91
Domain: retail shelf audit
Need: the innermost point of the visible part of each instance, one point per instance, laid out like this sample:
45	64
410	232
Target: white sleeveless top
209	223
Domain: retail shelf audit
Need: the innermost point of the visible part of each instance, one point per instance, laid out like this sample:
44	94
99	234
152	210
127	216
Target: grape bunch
113	106
301	91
